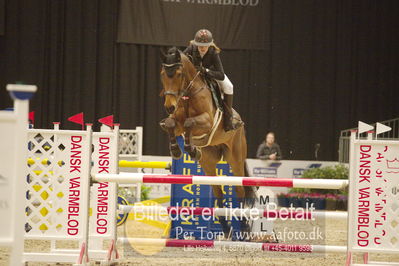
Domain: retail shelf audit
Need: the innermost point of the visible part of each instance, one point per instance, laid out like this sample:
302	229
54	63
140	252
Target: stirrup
237	123
228	126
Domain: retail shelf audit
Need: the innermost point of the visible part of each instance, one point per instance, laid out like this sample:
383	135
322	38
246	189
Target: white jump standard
13	132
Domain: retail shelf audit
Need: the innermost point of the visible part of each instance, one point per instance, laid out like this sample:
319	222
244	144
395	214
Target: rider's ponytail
217	49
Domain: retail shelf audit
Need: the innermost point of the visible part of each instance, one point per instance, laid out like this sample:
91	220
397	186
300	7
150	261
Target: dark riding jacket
265	151
211	61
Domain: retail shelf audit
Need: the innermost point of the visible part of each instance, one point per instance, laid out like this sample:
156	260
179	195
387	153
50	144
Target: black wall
330	63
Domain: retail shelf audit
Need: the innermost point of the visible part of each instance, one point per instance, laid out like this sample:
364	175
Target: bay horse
191	110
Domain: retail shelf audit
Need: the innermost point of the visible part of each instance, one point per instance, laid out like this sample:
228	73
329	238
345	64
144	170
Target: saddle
220	104
216	94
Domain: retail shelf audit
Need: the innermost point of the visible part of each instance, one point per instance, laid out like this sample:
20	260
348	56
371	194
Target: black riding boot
228	112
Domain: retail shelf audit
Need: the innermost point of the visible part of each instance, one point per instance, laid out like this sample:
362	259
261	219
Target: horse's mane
187	64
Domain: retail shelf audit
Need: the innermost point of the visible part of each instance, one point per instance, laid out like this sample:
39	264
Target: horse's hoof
189	149
226	229
189	123
194	153
175	151
176	155
198	154
170	123
245	231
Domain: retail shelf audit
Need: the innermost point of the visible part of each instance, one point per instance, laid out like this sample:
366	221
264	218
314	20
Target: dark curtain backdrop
329	64
2	16
154	22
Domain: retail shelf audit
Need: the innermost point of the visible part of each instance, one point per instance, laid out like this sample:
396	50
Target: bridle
181	93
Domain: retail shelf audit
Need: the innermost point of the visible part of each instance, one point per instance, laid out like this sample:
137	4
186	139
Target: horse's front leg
169	125
202	122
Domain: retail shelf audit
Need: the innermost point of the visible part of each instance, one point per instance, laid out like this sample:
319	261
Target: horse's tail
246	173
250	192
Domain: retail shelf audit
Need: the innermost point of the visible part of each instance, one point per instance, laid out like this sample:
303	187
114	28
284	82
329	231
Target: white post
56	125
21	109
370	135
15	131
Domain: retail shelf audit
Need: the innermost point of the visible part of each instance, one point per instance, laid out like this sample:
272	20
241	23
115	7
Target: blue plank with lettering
197	196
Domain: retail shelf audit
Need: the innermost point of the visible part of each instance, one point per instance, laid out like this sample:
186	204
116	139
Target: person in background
269	149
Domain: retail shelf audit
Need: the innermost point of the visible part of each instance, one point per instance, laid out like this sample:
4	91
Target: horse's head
173	78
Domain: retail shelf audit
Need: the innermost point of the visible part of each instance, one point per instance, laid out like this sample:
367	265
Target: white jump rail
133	178
13	129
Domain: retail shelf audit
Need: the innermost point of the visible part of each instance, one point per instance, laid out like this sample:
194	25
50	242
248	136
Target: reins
182	93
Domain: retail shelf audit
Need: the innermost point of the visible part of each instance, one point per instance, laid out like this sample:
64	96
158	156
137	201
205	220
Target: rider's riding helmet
203	38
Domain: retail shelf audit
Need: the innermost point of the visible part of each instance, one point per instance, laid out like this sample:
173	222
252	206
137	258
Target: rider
205	56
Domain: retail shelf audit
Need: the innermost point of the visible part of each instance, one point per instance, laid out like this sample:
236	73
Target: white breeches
226	85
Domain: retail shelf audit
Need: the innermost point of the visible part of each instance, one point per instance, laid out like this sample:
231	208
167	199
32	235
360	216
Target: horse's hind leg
242	192
235	155
211	156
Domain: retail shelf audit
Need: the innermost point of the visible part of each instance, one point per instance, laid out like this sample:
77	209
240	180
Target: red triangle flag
31	117
108	120
78	119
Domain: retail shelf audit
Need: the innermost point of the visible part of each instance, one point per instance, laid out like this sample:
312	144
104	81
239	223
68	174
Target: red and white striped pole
286	213
133	178
230	245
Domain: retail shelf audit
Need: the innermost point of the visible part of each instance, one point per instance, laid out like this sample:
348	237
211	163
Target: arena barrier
13	129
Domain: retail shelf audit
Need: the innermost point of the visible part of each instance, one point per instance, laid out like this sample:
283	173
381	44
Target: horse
191	112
